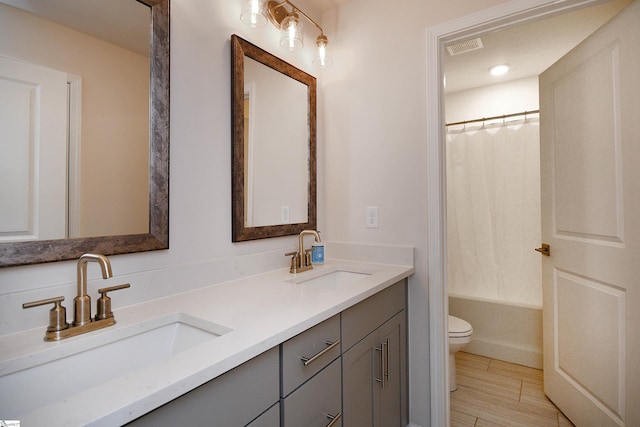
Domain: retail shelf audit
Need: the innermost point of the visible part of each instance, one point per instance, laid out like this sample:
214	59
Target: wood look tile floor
495	393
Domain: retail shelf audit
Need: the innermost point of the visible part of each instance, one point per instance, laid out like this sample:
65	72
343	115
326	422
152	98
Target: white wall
376	147
495	100
372	151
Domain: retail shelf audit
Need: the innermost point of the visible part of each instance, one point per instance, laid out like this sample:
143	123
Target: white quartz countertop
261	312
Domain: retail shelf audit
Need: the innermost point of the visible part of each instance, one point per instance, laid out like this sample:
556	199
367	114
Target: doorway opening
496	19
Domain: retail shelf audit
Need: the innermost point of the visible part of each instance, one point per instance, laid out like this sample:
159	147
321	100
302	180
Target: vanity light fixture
256	12
499	70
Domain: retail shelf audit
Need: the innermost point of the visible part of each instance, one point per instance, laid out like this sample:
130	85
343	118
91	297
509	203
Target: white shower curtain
493	212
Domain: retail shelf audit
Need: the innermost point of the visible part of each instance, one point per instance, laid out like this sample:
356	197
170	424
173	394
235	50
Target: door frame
509	14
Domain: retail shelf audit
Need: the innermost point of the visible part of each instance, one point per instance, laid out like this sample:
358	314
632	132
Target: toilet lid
459	327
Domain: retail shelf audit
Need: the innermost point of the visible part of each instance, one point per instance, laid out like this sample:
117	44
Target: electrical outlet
284	214
371	220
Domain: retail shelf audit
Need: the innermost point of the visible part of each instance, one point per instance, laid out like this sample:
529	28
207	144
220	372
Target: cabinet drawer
313	403
307	353
361	319
233	399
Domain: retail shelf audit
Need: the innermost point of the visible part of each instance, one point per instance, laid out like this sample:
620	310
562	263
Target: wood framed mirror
25	252
273	110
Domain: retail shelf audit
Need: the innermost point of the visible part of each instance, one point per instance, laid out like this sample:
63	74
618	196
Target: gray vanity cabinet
374	365
237	398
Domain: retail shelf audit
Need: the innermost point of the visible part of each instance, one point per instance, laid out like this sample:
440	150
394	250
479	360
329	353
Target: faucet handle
57	315
294	261
103	310
307	256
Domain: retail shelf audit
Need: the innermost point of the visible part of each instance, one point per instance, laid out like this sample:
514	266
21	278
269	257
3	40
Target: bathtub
505	331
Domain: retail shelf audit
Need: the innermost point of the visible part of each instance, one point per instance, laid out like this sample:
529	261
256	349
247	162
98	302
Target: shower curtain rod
484	119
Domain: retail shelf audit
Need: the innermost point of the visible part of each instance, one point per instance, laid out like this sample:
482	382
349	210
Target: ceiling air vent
465	46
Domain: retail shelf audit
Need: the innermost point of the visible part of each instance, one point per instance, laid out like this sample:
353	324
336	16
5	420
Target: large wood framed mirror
68	240
273	111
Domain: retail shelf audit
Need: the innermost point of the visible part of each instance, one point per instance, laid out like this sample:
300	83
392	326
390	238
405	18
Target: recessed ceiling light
499	70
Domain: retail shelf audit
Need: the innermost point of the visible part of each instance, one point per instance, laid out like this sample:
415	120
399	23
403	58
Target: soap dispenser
317	256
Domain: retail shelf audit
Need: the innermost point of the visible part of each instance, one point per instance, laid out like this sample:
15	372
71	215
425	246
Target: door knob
544	250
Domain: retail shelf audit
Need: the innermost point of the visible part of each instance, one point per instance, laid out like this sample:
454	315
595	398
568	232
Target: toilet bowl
460	332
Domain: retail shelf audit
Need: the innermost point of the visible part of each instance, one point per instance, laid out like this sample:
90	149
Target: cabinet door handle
385	346
381	380
309	360
334	419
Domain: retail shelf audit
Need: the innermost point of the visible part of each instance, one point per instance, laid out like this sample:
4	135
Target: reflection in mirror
111	136
274	137
81	168
276	147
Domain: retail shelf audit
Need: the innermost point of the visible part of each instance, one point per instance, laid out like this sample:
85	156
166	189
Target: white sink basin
334	279
111	354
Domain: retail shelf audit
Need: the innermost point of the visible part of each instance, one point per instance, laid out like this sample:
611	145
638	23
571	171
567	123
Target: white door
33	152
590	166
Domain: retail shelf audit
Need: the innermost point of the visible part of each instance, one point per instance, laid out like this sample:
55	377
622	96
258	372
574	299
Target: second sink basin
115	353
333	279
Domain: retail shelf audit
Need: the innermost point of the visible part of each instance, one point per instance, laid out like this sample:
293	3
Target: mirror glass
276	147
274	140
85	125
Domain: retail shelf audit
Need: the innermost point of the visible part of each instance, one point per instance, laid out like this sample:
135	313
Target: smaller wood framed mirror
273	110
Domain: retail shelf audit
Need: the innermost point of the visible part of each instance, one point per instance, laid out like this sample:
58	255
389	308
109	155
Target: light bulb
291	30
322	60
291	33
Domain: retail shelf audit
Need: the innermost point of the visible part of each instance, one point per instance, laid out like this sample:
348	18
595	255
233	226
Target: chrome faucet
301	260
82	322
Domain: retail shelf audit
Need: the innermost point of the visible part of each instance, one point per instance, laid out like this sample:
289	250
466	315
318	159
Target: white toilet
460	332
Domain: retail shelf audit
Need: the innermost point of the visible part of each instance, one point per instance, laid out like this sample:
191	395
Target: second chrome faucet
301	260
82	321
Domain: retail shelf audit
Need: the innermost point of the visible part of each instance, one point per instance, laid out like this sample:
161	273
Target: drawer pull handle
334	419
309	360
